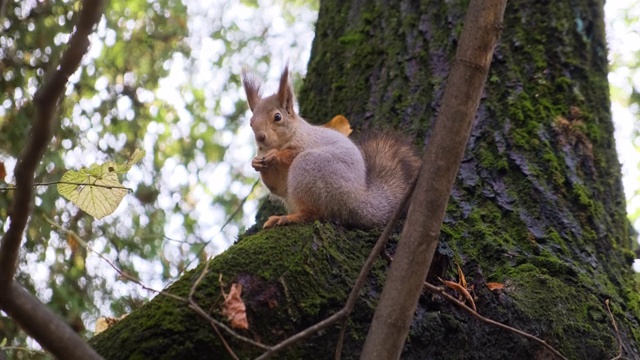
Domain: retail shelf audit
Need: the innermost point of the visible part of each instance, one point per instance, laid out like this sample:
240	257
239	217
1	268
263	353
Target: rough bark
538	203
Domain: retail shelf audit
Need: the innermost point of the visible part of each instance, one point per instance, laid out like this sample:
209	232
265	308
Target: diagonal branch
46	100
440	164
43	325
3	5
35	318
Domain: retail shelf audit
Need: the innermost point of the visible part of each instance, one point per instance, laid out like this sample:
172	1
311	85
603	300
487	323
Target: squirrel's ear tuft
285	91
251	88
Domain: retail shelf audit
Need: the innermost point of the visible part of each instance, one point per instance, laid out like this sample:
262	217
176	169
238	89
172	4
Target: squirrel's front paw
270	157
258	163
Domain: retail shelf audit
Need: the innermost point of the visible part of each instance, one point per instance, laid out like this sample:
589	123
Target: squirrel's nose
260	136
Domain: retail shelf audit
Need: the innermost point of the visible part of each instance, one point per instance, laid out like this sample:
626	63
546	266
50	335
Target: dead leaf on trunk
495	286
234	308
103	323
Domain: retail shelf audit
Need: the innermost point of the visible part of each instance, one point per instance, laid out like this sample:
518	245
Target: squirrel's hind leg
282	220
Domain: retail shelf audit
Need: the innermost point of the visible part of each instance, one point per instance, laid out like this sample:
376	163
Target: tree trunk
538	204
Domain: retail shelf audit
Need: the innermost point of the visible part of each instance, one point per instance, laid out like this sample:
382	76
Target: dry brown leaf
3	171
234	309
463	291
72	241
103	323
341	124
461	280
495	286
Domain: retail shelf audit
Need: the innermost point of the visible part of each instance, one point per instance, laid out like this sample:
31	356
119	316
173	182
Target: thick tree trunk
538	205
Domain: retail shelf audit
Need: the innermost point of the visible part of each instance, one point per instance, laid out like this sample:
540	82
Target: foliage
97	190
160	76
622	30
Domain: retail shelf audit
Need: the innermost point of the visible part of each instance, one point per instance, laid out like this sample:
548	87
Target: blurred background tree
164	76
623	34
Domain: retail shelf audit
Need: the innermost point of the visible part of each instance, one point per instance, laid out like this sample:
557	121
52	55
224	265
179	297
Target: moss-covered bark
538	203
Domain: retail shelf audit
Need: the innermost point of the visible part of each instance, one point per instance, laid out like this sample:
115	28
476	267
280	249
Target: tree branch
36	319
43	325
440	164
3	5
46	100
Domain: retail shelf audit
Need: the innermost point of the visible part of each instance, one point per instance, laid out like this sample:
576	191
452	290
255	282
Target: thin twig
463	306
8	188
36	319
461	290
615	327
305	333
191	305
213	325
227	222
378	249
120	272
355	291
46	100
195	307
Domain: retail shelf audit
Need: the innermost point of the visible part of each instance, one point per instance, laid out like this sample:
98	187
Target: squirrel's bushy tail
392	163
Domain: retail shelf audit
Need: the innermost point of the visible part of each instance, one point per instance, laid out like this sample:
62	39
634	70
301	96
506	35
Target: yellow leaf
461	280
340	124
72	241
103	323
97	196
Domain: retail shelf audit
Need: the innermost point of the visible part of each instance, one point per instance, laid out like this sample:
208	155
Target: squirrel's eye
277	117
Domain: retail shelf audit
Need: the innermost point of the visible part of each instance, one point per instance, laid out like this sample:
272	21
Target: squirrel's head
274	120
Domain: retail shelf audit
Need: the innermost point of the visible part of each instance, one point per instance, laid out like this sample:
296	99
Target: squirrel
319	173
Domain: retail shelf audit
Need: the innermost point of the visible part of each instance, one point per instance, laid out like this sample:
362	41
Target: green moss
289	273
554	170
489	160
351	38
580	194
547	299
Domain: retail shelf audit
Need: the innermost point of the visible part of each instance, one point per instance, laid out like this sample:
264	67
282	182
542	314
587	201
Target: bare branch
192	304
440	164
46	100
355	291
35	318
227	222
213	325
615	327
8	188
3	5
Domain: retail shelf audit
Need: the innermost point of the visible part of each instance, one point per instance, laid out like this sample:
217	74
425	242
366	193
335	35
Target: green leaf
96	189
97	194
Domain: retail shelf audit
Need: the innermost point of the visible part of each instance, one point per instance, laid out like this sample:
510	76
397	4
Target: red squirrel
319	173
